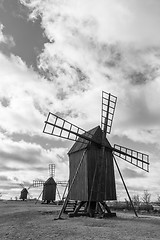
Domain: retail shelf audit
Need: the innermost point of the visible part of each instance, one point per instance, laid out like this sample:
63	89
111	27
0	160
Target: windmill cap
96	133
50	181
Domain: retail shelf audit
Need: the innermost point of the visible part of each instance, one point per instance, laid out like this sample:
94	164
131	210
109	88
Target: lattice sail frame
136	158
52	170
57	126
38	183
107	113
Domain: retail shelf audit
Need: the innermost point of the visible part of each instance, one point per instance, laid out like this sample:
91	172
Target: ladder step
70	206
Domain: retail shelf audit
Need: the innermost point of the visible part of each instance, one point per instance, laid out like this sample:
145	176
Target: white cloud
2	39
6	39
28	97
117	20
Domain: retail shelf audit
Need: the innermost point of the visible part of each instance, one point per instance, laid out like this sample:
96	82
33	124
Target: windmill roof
50	181
24	190
96	135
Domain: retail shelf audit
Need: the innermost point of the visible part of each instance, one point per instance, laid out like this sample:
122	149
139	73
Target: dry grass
27	221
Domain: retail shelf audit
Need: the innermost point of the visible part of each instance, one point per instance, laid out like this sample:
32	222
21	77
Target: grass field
30	221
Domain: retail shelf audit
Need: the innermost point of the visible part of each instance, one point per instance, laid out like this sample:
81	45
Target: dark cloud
139	77
28	36
14	169
54	68
15	178
8	187
5	101
110	55
4	178
26	157
46	143
7	168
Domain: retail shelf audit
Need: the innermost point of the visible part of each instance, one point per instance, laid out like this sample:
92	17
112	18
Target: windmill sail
52	170
136	158
38	183
108	109
30	186
57	126
22	185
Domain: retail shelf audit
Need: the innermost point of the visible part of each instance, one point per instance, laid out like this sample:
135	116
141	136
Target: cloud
6	38
129	173
23	162
4	178
109	21
25	97
2	39
19	154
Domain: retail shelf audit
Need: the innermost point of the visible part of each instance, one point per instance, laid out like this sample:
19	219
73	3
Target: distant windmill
91	160
24	192
49	186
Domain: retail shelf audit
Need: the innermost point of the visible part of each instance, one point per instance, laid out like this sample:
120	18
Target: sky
58	56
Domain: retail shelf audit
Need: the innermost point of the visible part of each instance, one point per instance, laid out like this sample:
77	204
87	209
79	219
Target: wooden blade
22	185
38	183
57	126
30	186
136	158
108	109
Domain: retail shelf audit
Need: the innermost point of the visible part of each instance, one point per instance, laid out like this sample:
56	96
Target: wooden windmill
49	186
91	159
24	192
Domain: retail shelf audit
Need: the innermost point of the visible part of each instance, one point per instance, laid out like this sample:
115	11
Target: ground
29	221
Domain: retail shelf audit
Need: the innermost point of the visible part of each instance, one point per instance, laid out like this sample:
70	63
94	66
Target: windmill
49	186
92	158
24	191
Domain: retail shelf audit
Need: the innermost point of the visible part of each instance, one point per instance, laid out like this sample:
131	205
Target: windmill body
86	183
49	190
24	194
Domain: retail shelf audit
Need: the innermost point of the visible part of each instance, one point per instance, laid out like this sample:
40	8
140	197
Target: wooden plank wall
49	192
105	175
80	187
94	158
110	187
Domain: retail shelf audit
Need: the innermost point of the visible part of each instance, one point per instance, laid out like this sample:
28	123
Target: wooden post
70	188
125	186
39	197
58	193
88	208
65	190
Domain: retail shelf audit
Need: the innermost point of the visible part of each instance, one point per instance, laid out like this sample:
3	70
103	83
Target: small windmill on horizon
24	192
91	160
49	186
